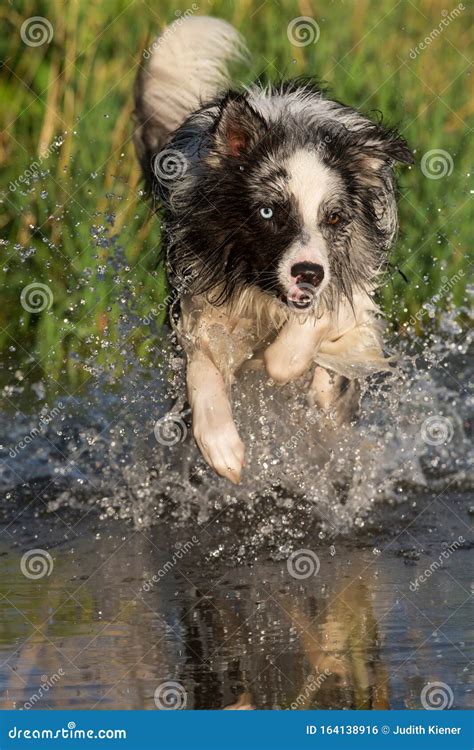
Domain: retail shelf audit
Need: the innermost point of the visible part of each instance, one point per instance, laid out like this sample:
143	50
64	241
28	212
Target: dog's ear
372	152
378	147
239	127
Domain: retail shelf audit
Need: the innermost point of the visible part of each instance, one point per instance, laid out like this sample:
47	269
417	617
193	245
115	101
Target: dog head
300	205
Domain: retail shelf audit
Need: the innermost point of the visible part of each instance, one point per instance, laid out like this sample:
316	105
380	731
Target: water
299	588
227	632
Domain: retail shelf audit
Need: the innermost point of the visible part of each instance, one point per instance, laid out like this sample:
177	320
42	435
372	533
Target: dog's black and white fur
279	209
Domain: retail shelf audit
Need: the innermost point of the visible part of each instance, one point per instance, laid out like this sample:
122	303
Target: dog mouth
299	304
300	297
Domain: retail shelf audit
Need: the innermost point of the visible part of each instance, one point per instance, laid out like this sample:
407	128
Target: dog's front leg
323	391
216	344
293	350
213	425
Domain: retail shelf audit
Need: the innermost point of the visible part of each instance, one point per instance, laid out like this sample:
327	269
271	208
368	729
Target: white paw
221	446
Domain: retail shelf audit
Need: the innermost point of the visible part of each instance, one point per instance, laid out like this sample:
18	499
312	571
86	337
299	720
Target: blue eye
266	213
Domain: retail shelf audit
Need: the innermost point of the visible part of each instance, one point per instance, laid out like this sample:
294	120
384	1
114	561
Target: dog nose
308	273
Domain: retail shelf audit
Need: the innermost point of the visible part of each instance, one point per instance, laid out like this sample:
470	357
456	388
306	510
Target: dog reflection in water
242	704
343	651
341	647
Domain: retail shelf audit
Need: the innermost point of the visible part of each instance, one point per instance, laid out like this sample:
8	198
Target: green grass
80	225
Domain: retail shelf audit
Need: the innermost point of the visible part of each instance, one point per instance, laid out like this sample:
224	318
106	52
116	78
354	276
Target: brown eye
334	218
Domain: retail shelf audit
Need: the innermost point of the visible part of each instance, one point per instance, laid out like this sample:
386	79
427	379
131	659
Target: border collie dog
279	209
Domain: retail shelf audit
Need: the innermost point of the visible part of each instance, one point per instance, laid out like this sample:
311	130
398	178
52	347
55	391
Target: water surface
164	586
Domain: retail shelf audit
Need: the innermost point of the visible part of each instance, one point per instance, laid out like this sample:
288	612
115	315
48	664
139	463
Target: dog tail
187	66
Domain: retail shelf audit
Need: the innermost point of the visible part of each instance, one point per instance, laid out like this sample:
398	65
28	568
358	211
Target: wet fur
236	151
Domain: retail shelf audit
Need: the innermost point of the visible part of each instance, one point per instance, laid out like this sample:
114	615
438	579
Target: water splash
106	449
